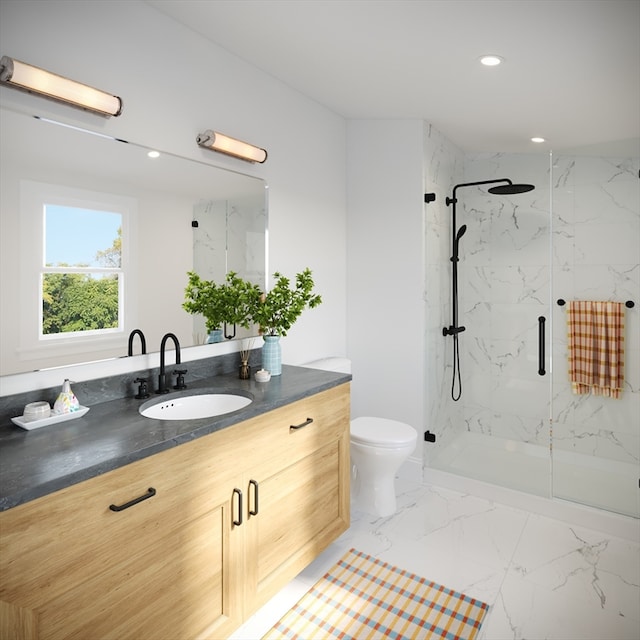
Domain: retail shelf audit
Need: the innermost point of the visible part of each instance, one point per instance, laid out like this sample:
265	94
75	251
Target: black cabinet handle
541	321
306	423
254	511
150	493
238	522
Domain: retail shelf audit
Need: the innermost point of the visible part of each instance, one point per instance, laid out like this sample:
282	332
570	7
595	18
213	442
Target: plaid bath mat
363	597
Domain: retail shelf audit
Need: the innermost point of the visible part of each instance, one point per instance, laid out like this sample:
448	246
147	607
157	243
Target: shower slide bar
629	303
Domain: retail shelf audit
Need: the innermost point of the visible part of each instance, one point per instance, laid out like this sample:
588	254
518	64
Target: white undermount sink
206	405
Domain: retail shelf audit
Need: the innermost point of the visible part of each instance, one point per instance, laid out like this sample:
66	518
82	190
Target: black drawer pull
150	493
238	522
254	511
306	423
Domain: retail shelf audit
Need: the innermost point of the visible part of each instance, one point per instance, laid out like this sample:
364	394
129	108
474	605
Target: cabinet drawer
321	419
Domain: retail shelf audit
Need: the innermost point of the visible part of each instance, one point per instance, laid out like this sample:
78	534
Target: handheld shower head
509	189
456	242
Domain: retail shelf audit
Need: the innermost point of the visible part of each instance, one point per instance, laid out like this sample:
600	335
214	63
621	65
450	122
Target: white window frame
34	196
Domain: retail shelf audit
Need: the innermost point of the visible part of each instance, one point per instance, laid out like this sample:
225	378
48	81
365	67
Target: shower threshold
604	484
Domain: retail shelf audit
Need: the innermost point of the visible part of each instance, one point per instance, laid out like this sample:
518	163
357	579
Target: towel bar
629	303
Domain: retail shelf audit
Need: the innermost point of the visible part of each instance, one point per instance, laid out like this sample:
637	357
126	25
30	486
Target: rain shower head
509	189
499	189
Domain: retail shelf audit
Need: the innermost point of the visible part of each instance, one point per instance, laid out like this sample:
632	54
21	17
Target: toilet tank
338	365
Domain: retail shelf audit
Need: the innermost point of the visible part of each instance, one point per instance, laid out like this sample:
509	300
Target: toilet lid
382	432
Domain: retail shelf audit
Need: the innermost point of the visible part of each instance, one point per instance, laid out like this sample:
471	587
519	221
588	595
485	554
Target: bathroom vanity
173	530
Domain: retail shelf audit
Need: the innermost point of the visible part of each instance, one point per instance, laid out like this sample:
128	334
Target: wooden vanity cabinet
221	524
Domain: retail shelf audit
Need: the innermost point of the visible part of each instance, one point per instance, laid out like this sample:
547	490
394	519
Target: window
82	277
77	276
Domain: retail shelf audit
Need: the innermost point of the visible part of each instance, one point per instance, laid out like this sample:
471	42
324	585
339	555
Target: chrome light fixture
50	85
231	146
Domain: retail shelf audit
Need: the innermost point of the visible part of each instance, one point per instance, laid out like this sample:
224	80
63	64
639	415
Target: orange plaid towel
596	347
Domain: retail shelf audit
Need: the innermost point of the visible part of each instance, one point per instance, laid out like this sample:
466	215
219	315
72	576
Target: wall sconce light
50	85
232	147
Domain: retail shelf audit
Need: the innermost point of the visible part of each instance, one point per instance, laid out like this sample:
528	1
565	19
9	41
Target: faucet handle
180	384
143	392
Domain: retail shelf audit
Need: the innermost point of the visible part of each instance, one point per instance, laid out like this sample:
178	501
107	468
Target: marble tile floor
543	578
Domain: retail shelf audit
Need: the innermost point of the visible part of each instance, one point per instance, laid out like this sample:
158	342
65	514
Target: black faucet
143	342
162	379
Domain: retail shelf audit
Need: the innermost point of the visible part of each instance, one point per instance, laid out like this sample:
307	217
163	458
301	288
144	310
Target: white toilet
379	447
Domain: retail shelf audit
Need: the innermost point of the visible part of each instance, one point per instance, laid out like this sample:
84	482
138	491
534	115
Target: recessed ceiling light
537	140
153	154
491	60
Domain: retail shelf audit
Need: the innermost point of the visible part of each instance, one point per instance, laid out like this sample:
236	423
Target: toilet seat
382	432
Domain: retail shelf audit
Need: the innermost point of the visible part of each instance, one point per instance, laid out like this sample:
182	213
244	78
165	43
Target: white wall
385	269
175	84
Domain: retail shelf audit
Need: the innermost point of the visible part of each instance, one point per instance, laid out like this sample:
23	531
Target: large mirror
181	215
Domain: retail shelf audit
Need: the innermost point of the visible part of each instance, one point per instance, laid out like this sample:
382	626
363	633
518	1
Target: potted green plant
231	302
277	311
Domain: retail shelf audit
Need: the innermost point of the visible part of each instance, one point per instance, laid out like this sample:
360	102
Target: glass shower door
506	291
499	429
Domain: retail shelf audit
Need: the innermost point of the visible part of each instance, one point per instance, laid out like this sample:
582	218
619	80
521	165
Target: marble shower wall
596	256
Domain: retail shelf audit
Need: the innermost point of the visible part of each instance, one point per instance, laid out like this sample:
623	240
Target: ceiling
571	70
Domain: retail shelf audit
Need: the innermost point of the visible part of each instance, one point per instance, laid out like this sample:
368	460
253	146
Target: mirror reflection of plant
231	302
282	305
242	298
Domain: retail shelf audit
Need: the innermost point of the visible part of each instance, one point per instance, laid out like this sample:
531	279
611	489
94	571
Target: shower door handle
541	321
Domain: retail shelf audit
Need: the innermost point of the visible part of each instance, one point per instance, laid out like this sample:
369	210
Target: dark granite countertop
112	434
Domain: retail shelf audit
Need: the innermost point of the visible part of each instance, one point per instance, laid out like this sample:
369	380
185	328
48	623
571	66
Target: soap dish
26	423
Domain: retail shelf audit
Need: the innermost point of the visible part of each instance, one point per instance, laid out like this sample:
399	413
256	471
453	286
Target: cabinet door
167	567
301	478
